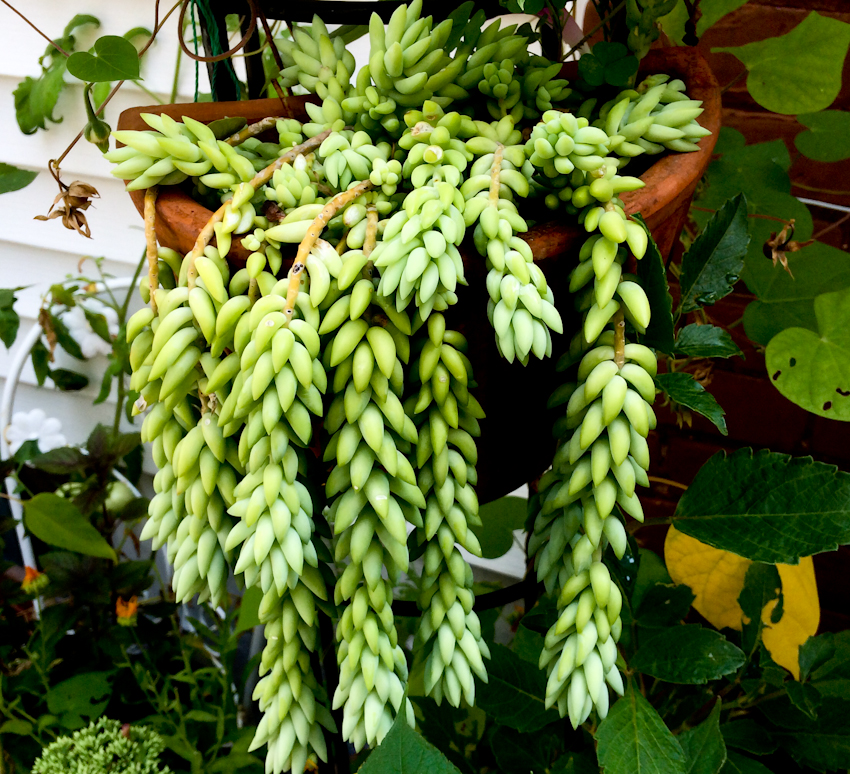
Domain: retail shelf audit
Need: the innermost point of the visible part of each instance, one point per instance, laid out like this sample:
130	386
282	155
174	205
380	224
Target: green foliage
703	745
513	696
684	390
799	72
760	172
35	98
403	751
827	136
687	654
653	278
9	320
786	301
706	341
812	369
57	522
608	63
712	11
715	260
767	507
499	519
634	738
104	746
14	179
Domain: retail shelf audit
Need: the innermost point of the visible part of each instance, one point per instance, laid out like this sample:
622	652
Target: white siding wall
38	254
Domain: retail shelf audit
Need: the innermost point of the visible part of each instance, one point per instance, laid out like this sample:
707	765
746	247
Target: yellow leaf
716	579
800	614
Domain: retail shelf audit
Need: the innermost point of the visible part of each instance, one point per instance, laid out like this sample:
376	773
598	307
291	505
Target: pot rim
180	218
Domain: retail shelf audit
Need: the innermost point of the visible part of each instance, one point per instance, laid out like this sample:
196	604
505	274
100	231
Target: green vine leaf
712	11
10	322
799	72
634	738
114	59
653	279
36	98
14	179
716	258
760	172
499	519
706	341
683	389
822	744
688	655
403	751
80	699
813	369
58	522
704	746
741	764
748	735
762	585
766	506
514	694
784	301
827	137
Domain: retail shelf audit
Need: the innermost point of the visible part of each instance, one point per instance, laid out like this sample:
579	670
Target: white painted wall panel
37	253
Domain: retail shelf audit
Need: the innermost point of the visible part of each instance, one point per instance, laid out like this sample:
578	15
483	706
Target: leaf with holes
114	58
766	506
80	699
715	260
813	369
799	72
683	389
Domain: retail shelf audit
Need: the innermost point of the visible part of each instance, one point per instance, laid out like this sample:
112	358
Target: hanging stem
371	237
313	233
261	178
495	174
252	130
150	240
619	339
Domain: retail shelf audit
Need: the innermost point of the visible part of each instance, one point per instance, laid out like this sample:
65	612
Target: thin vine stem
49	40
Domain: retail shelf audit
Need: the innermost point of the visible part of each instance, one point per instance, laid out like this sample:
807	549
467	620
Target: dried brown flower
780	244
74	199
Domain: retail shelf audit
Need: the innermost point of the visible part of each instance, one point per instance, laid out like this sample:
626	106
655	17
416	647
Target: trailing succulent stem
338	319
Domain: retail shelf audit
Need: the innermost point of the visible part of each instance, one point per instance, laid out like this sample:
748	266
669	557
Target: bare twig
49	40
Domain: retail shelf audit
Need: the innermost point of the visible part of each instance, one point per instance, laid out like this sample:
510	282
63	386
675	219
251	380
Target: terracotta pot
516	444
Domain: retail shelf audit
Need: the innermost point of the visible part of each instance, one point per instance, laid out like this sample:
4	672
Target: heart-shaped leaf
813	369
799	72
788	302
114	59
827	137
498	521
